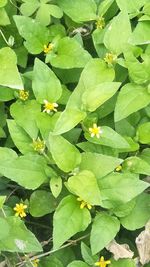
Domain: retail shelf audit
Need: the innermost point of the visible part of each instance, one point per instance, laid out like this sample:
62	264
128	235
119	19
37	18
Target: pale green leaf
66	155
136	165
104	229
77	264
141	33
68	220
4	19
83	184
56	185
143	133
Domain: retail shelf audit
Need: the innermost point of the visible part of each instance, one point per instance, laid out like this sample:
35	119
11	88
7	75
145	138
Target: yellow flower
19	208
110	58
23	95
118	168
95	131
38	145
100	23
48	48
84	204
50	106
35	262
102	262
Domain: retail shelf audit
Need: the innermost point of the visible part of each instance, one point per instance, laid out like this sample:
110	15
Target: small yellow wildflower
84	204
102	262
48	48
35	262
38	145
118	168
95	131
50	106
100	23
19	208
23	95
110	58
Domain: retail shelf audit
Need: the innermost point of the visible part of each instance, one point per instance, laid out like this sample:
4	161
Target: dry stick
72	242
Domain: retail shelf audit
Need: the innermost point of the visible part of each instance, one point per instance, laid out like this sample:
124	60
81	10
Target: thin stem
4	37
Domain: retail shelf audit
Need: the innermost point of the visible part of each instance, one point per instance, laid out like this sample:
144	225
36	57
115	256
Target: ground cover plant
74	133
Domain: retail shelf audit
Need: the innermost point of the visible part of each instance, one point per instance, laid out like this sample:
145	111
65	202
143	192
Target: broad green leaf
6	94
7	154
45	11
104	6
104	229
3	3
79	10
136	165
83	184
28	171
131	98
35	34
131	6
4	229
123	263
99	164
142	134
108	137
77	264
125	209
46	85
114	188
145	155
20	138
121	22
96	148
141	33
19	238
41	203
95	72
70	54
52	261
2	200
56	185
25	115
29	7
11	77
66	155
87	254
99	95
139	215
4	19
68	220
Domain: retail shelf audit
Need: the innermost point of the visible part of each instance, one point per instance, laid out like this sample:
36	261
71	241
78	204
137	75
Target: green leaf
95	72
3	3
83	184
29	7
11	77
20	138
7	154
79	10
141	33
70	54
22	240
6	94
45	84
87	254
44	12
56	185
133	221
104	229
35	34
131	98
69	214
28	171
123	263
104	6
41	203
114	188
77	264
121	22
25	115
4	229
108	137
4	19
142	134
99	95
125	209
99	164
136	165
66	155
131	6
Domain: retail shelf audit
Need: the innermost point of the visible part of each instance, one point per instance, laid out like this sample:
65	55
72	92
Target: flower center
49	106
